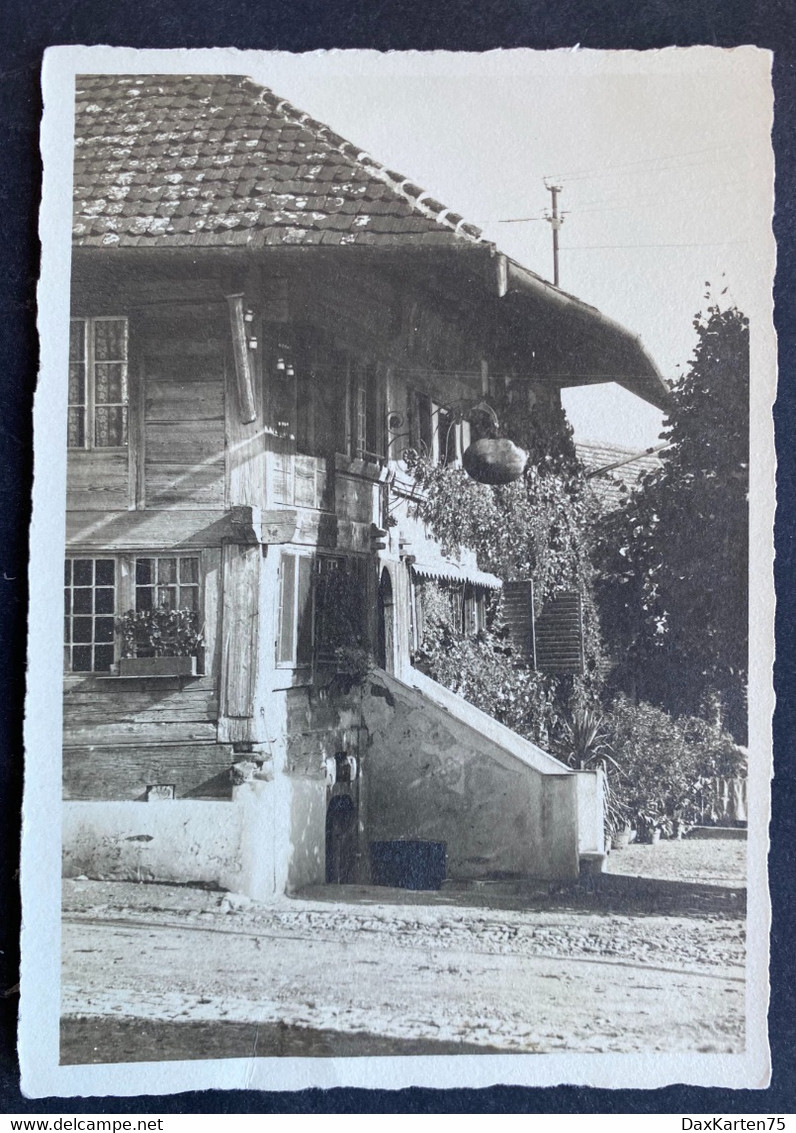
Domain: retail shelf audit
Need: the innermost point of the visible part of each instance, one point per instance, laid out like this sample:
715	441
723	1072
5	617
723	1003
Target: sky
663	158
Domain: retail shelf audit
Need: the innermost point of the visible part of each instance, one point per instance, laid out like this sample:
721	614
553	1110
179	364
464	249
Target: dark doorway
341	840
386	643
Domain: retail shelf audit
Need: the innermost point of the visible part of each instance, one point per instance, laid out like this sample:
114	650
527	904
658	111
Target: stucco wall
432	776
181	840
307	854
591	829
229	844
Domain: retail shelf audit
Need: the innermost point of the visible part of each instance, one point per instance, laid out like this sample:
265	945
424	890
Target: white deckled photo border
42	1075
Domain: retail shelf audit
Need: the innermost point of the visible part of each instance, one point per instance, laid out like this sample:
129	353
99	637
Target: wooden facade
268	409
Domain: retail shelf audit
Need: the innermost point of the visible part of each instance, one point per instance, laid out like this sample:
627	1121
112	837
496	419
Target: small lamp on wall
251	337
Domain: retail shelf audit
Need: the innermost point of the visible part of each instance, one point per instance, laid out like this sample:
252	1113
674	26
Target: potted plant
159	642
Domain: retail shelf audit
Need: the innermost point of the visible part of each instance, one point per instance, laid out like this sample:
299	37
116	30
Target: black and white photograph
404	468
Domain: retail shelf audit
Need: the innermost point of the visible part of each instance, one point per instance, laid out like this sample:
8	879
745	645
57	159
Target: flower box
157	667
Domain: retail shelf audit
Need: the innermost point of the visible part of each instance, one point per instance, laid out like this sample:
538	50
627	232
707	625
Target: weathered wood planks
184	428
97	480
112	711
125	772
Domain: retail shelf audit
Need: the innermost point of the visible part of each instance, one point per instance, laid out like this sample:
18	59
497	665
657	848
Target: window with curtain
98	394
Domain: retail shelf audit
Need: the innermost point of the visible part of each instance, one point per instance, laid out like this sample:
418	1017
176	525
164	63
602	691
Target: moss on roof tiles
265	172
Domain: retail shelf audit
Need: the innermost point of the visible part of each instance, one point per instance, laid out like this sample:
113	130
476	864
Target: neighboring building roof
171	160
614	485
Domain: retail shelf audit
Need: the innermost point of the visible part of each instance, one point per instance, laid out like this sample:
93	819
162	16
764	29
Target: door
386	607
341	840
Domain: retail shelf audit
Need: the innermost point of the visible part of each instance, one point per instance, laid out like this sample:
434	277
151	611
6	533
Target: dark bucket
404	864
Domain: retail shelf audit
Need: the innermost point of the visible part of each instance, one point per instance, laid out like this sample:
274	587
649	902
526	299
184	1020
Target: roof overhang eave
639	373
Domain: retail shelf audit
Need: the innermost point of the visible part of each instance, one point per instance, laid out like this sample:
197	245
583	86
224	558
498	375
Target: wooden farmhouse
264	322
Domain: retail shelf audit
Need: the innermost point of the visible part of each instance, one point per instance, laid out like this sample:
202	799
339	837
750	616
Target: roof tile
219	160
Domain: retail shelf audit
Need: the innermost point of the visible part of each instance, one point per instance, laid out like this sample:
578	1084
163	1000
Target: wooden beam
247	403
241	567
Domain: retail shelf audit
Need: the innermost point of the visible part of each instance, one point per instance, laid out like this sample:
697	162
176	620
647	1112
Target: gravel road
162	972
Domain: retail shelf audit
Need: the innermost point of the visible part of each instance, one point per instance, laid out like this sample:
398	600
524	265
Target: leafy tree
674	588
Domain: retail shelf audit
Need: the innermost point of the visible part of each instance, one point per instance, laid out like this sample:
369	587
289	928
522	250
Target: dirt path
166	972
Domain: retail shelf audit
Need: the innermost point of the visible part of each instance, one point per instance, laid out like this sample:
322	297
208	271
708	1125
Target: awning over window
452	572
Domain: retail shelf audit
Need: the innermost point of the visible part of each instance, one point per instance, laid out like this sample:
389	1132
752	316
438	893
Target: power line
698	244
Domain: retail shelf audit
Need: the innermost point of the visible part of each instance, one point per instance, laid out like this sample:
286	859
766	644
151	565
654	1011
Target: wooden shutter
558	634
518	612
304	632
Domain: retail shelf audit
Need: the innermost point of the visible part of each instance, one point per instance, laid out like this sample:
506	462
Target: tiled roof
614	486
217	160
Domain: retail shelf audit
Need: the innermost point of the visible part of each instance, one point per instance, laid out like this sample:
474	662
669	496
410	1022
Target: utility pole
555	220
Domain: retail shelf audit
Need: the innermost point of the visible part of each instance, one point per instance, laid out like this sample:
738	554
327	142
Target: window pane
373	440
304	635
76	428
143	571
67	600
110	383
167	596
77	340
81	658
67	571
77	383
189	597
103	629
143	597
103	601
167	570
109	336
81	629
84	572
103	657
82	601
189	570
110	426
424	433
105	572
287	598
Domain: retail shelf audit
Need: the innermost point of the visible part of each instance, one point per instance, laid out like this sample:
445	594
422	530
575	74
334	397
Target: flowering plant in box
160	632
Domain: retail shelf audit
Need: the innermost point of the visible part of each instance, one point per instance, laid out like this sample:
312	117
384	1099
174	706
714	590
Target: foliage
674	588
353	662
539	527
659	764
339	612
584	727
160	632
485	670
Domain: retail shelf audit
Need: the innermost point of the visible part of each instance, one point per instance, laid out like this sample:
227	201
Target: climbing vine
541	528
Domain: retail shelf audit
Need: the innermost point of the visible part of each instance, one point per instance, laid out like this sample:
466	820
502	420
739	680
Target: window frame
427	426
300	633
365	439
89	404
125	593
69	614
306	631
178	557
